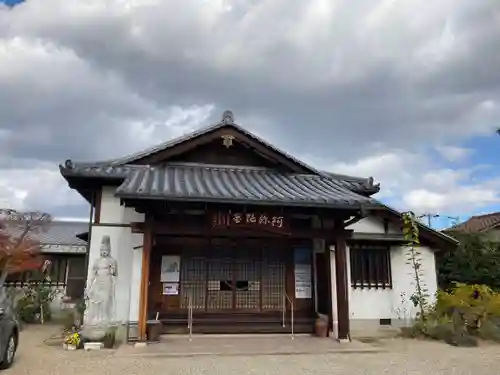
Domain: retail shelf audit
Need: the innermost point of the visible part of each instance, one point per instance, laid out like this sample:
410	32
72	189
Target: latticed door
220	281
233	278
247	279
193	277
273	279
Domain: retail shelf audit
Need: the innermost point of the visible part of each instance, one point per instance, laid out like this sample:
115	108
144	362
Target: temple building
221	228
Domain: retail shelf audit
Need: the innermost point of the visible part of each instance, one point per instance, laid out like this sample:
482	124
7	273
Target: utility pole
431	216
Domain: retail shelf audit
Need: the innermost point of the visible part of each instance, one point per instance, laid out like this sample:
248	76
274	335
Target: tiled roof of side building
477	223
63	233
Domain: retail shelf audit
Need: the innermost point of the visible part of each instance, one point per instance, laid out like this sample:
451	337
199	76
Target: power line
430	216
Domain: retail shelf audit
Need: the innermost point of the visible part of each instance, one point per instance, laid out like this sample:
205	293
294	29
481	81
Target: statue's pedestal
94	333
97	333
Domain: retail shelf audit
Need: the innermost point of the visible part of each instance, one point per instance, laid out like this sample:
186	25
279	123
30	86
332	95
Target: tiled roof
356	184
120	168
478	223
232	184
59	236
63	233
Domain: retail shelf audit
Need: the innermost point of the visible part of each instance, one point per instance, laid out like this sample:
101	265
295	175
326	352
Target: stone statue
100	296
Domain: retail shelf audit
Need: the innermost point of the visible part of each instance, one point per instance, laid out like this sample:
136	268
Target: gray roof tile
64	233
355	184
237	185
57	233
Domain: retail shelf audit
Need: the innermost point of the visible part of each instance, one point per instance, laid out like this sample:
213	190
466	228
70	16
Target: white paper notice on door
303	284
170	268
170	289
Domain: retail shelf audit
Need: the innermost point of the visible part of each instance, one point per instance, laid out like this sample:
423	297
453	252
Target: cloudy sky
405	91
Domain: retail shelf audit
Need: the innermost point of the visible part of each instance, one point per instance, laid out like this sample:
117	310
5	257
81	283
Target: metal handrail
286	299
190	316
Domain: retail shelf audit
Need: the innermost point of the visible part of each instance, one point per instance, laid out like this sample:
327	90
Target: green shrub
460	316
489	331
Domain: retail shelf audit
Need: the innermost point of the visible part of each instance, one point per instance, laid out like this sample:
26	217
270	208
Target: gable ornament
227	140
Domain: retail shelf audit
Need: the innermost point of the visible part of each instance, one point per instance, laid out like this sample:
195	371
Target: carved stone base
96	333
93	333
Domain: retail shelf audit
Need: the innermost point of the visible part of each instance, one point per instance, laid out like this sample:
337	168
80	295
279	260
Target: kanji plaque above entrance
251	220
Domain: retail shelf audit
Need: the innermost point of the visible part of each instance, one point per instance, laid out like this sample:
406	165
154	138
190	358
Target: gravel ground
401	357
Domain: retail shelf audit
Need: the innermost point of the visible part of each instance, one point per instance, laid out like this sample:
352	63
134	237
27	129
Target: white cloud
38	188
416	182
461	199
454	153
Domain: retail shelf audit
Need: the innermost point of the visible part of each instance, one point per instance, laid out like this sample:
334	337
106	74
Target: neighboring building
61	244
223	223
488	224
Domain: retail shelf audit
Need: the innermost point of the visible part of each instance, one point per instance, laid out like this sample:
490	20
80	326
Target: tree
475	261
19	246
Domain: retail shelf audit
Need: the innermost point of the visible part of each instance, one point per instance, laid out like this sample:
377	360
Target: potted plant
72	341
321	325
109	338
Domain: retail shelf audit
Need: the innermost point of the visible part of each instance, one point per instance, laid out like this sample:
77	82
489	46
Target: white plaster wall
404	279
126	249
112	212
373	224
367	307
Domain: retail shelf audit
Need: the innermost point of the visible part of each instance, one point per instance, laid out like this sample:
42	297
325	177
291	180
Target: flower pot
71	347
154	330
109	340
321	328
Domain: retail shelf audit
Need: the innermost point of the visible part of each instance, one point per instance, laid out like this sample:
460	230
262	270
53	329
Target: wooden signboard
251	220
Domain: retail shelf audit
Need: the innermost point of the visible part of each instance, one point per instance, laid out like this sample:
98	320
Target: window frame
368	271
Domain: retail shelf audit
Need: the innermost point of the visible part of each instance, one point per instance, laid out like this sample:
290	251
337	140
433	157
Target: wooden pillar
146	260
342	287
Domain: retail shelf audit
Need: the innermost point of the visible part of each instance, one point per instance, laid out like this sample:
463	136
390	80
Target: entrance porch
238	285
226	276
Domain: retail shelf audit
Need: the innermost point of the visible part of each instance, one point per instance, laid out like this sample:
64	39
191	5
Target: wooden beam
161	208
143	302
342	288
98	204
170	230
